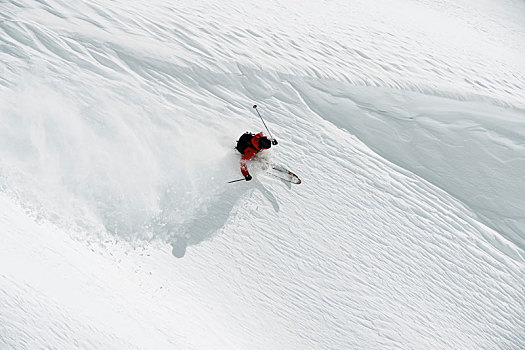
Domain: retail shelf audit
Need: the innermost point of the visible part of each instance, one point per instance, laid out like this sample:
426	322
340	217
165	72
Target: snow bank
474	151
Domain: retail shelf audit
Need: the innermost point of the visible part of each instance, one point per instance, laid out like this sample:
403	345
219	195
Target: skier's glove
274	142
248	177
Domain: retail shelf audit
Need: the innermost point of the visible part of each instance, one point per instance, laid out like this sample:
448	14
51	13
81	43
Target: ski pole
243	179
269	133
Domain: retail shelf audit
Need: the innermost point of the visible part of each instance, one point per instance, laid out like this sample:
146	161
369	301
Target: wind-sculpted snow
404	122
474	151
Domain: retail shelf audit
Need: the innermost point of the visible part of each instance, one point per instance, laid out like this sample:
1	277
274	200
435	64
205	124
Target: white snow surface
405	121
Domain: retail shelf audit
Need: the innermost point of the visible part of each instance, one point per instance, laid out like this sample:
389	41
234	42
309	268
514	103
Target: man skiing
249	145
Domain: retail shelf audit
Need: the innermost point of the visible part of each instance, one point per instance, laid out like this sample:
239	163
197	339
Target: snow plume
109	158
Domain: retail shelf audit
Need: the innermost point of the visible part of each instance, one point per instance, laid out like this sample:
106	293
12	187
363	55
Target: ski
283	174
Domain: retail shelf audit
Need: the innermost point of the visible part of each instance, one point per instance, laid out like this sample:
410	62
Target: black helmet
264	142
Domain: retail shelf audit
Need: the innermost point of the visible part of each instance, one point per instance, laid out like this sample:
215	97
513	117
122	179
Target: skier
249	145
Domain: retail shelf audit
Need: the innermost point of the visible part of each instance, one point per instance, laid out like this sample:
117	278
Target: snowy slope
404	121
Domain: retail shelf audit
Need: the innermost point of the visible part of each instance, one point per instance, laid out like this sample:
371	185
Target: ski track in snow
407	231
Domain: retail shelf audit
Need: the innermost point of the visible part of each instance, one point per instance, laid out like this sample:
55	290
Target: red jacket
250	152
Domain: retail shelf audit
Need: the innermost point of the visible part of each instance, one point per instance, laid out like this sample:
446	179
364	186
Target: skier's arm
248	154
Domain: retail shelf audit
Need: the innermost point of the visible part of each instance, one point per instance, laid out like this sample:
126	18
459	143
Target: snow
403	120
